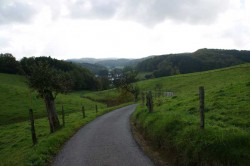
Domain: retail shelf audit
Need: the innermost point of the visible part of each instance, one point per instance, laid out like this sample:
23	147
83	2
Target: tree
158	89
82	78
103	79
8	64
103	83
124	81
48	82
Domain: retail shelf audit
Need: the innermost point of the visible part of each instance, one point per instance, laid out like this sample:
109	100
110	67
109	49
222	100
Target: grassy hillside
16	99
15	136
111	97
173	127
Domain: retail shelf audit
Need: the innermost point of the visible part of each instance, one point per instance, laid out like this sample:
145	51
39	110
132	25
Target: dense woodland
201	60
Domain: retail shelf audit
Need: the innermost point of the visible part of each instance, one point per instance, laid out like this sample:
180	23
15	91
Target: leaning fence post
202	105
63	117
32	123
83	112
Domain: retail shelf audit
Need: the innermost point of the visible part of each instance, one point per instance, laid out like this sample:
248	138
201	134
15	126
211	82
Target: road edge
153	153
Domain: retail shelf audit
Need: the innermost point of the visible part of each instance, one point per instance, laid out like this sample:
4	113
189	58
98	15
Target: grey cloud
101	9
192	11
147	12
15	11
150	12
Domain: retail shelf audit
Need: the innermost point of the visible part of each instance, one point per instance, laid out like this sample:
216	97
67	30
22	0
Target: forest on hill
200	60
169	64
81	78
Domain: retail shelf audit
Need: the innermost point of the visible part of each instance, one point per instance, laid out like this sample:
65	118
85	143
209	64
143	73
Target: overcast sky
66	29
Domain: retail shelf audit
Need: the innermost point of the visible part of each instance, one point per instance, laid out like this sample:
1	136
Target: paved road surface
106	141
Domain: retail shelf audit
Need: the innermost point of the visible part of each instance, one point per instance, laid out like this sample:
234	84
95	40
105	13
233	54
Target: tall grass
174	124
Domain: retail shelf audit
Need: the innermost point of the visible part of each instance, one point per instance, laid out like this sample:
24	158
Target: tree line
81	78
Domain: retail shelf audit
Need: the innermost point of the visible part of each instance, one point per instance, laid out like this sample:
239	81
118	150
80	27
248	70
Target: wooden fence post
202	106
63	117
149	101
32	123
96	109
143	98
83	112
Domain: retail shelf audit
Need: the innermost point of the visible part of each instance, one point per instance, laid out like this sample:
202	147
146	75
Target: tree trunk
52	115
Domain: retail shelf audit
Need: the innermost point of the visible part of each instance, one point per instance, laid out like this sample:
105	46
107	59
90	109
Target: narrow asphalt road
106	141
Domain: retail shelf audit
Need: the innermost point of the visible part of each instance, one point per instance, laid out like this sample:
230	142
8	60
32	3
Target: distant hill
200	60
118	63
109	63
94	68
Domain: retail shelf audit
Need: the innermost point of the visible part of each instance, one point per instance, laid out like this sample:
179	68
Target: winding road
106	141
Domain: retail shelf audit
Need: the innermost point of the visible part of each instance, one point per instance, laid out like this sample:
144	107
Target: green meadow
15	137
16	99
173	128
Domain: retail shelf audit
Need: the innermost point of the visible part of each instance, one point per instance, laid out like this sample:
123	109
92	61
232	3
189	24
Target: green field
16	99
15	137
173	127
101	95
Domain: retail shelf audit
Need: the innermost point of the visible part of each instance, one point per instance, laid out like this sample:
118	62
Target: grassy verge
16	145
159	157
101	95
111	97
173	127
